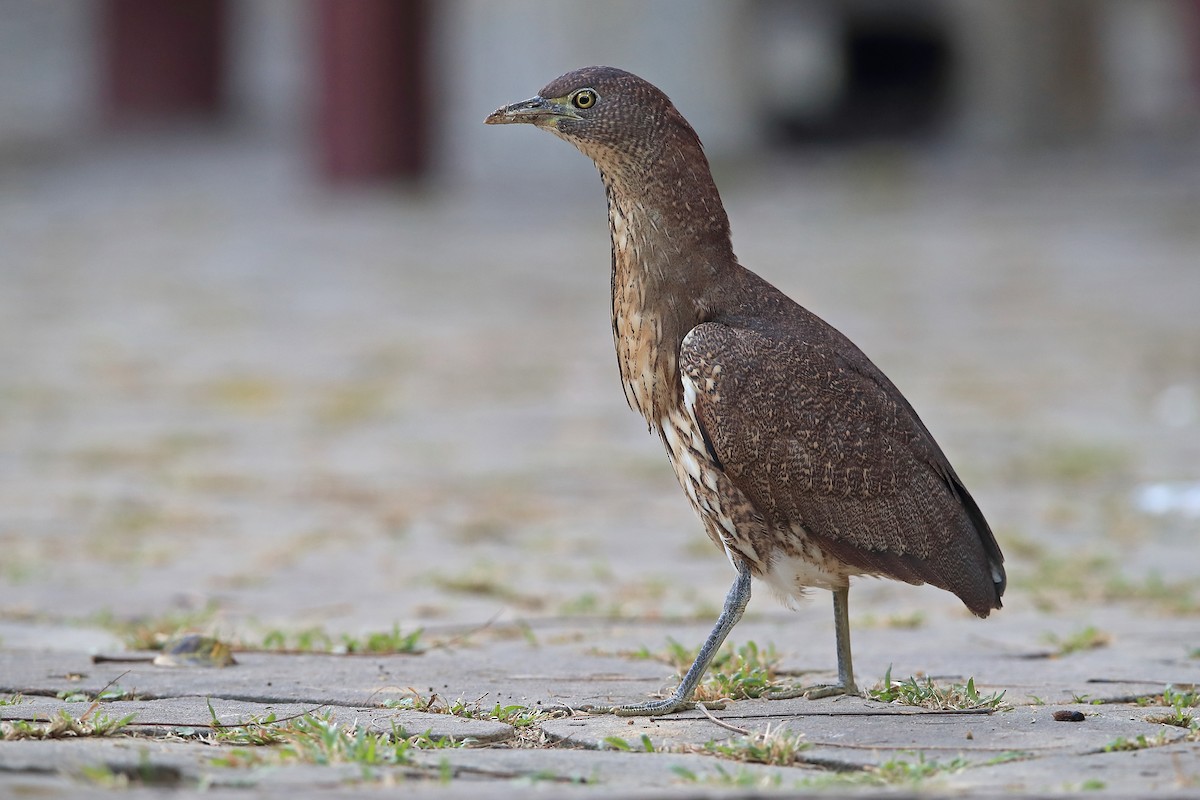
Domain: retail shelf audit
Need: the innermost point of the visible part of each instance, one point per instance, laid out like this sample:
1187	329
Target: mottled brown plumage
805	463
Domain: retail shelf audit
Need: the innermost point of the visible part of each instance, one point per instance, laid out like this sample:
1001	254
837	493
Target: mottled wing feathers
819	439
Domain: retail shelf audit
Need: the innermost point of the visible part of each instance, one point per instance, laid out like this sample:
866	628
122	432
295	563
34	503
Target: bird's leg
841	626
845	684
680	700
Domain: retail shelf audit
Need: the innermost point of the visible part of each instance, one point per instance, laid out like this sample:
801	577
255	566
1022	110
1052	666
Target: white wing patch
685	443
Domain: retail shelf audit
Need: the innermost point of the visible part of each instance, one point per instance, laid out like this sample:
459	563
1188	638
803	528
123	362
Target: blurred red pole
371	106
163	58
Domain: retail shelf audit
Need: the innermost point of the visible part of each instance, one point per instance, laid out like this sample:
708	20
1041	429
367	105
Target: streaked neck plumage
671	253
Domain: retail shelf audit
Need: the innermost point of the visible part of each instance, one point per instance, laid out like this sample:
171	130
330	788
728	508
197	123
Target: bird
804	462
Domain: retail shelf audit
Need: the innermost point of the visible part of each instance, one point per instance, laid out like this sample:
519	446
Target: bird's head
612	116
645	150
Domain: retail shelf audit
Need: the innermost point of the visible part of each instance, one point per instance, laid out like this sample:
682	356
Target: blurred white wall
490	54
47	77
1152	80
272	63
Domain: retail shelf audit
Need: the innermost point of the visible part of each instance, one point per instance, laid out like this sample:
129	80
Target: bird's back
827	449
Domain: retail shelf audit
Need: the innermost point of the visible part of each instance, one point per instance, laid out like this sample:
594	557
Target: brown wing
815	435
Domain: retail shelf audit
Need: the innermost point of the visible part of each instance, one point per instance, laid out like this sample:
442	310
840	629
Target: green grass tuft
1179	704
62	726
736	673
314	739
518	716
777	747
1140	742
911	692
1089	638
317	640
741	779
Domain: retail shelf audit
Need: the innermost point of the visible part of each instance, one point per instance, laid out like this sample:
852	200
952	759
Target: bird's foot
815	692
654	708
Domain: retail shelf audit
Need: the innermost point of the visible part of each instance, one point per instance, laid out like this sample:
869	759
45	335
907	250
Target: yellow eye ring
584	98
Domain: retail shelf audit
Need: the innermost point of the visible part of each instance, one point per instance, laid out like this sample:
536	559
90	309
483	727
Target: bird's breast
646	353
644	365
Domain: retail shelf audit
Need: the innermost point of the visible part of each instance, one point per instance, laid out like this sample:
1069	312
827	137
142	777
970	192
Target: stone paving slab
508	674
171	759
1173	770
859	732
619	770
32	635
162	717
177	764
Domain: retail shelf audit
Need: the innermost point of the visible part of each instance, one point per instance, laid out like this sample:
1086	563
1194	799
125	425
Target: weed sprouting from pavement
740	779
1089	638
516	715
892	772
1139	742
911	692
256	731
777	747
308	640
644	745
311	739
62	726
901	771
111	692
1179	704
317	640
393	641
736	673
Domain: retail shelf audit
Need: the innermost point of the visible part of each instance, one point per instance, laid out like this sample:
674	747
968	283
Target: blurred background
289	338
381	89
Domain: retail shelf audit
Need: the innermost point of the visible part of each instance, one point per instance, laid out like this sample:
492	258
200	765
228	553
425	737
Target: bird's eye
584	98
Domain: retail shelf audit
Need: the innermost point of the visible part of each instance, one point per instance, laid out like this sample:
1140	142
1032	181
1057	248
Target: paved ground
232	403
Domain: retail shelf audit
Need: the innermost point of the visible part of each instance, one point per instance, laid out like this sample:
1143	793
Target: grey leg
841	627
680	700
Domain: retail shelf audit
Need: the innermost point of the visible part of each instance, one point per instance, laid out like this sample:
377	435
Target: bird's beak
536	110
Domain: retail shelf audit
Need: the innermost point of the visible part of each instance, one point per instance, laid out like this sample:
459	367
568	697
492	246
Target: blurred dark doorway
855	72
897	82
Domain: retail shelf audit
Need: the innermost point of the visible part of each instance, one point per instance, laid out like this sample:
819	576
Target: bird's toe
815	692
656	708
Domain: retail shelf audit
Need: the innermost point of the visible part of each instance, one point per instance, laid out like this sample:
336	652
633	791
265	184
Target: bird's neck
670	254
